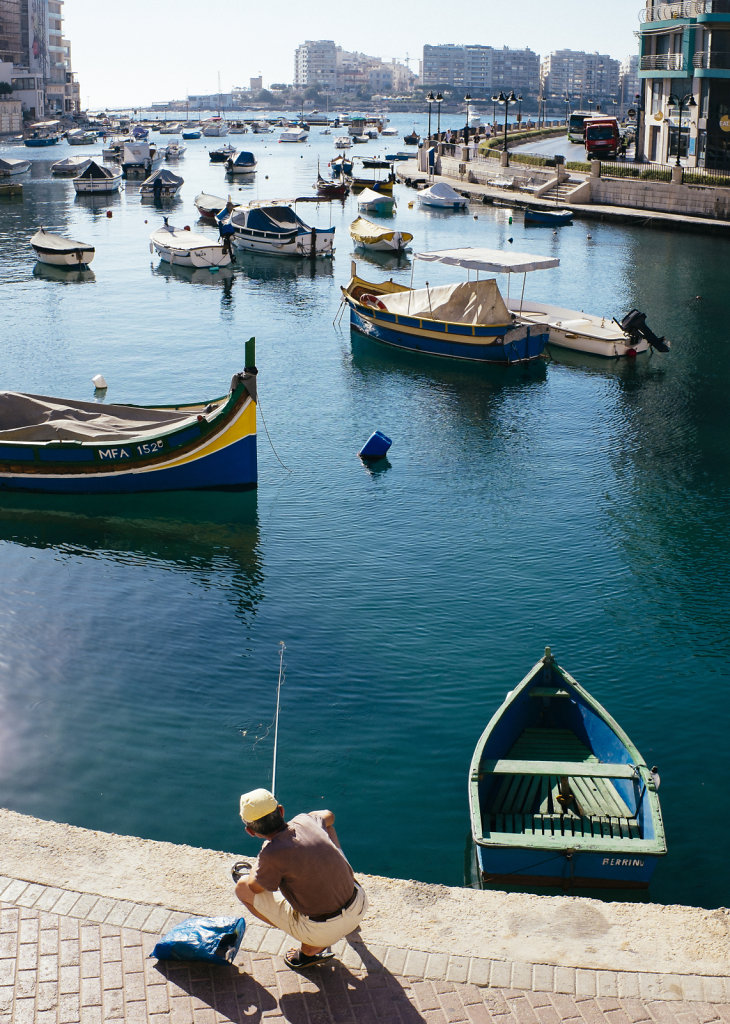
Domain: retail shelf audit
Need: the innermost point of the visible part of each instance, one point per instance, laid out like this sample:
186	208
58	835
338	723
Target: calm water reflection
577	503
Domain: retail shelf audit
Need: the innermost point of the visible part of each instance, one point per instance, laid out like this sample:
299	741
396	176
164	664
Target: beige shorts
312	933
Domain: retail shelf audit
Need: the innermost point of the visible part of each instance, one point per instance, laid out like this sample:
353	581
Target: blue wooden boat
552	218
558	793
54	446
469	320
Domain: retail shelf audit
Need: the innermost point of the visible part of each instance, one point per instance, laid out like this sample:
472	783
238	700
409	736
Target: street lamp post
540	112
429	99
685	103
495	100
567	107
509	98
439	100
466	126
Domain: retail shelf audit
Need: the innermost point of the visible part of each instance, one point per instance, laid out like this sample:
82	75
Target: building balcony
661	62
684	9
718	61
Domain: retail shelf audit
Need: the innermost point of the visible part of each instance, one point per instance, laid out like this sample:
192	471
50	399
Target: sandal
239	869
298	960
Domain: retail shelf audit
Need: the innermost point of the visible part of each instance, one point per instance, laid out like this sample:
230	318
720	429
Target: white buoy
99	382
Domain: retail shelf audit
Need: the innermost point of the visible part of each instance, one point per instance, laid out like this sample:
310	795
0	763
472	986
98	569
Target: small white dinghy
443	196
375	202
186	249
377	238
9	166
60	251
70	166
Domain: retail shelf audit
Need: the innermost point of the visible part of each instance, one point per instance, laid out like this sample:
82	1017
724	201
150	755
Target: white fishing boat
589	333
140	159
173	128
60	251
443	196
98	179
244	163
70	166
114	149
294	135
174	149
343	142
375	202
376	238
162	184
214	128
10	166
209	206
188	249
274	227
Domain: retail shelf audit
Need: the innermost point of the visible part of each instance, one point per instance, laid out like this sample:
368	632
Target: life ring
368	299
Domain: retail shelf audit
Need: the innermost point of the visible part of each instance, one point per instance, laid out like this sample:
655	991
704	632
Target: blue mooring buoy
375	447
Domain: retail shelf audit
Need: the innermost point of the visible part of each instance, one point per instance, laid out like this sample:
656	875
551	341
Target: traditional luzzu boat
558	793
468	320
52	446
60	251
376	238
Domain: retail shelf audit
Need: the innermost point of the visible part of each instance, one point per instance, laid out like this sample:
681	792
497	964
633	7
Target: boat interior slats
563	825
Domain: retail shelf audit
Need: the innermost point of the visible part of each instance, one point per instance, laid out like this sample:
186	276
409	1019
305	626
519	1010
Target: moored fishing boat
188	249
376	238
594	335
60	251
209	206
547	216
43	133
10	166
468	320
140	159
244	163
70	166
274	227
49	445
174	150
294	135
98	179
558	793
443	196
163	184
222	153
375	202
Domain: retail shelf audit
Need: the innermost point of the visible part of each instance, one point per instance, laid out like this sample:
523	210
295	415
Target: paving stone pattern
74	958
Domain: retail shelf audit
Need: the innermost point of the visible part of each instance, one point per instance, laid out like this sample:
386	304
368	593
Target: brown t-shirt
301	861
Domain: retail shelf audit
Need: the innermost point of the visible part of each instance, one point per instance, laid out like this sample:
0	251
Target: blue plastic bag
215	939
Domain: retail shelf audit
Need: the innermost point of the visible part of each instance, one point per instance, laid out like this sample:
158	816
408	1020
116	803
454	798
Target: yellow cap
257	804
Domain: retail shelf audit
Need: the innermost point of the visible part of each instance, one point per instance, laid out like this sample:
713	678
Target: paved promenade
81	955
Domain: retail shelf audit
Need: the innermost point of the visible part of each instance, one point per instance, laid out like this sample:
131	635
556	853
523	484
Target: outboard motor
634	324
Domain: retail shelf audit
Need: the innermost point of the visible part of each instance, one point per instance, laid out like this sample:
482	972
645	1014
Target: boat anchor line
268	435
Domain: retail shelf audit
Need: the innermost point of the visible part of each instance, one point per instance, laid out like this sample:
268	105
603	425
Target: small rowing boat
558	793
60	251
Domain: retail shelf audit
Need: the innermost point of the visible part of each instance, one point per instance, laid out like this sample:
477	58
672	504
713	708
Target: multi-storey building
684	71
31	38
315	63
480	70
628	83
581	79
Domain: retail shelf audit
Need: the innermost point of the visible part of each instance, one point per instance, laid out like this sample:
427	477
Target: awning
493	261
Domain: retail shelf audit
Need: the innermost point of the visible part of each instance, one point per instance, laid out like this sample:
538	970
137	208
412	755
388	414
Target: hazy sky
132	53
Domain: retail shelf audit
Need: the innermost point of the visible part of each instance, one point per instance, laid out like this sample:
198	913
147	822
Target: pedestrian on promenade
301	881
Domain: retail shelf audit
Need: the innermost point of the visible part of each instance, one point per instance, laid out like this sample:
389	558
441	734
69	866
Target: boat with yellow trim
467	320
54	446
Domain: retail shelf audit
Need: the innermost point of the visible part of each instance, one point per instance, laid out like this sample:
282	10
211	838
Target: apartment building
581	79
479	69
322	64
32	40
684	73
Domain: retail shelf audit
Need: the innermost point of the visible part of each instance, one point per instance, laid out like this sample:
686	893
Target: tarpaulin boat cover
470	302
443	192
95	170
281	219
40	418
492	261
363	230
165	176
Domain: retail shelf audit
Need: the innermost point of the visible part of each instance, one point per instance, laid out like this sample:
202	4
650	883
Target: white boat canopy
492	261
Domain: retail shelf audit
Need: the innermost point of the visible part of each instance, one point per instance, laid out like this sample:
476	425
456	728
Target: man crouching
301	881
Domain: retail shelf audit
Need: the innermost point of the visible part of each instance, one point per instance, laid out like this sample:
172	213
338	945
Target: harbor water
574	502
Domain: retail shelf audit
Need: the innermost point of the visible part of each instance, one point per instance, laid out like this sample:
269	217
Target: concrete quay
486	181
80	911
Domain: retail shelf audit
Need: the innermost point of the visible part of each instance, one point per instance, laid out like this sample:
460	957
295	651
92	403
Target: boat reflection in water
48	272
260	267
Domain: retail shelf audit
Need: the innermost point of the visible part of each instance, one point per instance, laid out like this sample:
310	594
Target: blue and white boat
467	320
274	227
243	163
548	217
558	793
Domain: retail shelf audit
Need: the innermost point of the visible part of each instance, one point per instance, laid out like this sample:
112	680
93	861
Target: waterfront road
80	912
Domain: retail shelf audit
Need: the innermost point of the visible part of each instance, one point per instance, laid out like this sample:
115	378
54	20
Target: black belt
328	917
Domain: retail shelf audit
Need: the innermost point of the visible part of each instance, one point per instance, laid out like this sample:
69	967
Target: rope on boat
263	420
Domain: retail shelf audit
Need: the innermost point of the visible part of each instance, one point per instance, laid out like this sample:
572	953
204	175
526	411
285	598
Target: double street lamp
506	100
685	103
439	100
466	126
